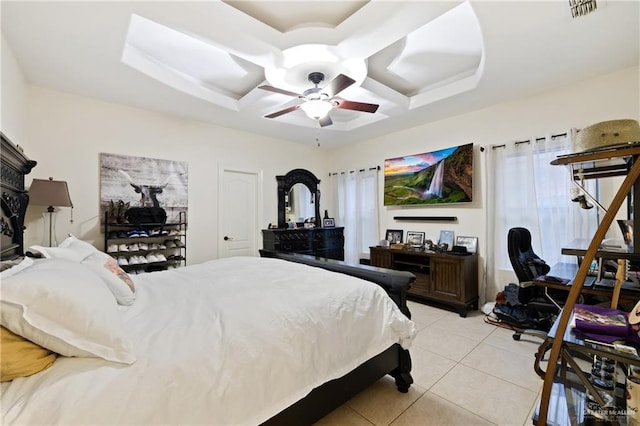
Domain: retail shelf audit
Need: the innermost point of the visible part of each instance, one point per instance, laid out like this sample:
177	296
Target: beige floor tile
489	397
473	326
381	402
527	421
510	366
445	343
425	314
428	367
503	338
343	416
431	409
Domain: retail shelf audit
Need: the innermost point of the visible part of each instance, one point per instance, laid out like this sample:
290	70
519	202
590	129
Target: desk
568	403
604	287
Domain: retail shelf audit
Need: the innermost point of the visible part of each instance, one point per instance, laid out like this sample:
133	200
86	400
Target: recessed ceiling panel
289	15
438	53
189	58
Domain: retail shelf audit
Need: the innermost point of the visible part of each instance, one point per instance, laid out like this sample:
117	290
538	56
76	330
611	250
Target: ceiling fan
319	101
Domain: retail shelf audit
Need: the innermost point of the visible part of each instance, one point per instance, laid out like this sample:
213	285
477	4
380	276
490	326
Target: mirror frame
286	182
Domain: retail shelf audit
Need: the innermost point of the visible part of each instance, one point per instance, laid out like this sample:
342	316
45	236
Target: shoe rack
147	247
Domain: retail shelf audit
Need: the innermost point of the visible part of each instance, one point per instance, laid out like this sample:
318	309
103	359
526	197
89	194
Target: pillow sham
21	358
65	307
71	248
118	281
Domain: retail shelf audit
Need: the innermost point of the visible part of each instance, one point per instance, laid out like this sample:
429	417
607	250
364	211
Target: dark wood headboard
15	165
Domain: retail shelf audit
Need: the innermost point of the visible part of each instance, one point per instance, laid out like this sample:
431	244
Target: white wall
12	98
66	134
608	97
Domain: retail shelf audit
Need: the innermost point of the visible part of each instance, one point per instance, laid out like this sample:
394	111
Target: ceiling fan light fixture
316	108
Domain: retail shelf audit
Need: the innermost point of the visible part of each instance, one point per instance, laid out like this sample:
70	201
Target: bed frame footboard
395	361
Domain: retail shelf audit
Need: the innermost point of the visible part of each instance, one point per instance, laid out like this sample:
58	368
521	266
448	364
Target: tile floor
465	372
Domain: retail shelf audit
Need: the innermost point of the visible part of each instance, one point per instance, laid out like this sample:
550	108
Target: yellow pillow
20	357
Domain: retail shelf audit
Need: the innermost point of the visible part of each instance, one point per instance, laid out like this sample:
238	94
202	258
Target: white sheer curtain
525	190
356	200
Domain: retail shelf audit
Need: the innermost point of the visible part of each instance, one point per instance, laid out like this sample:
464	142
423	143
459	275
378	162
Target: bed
279	339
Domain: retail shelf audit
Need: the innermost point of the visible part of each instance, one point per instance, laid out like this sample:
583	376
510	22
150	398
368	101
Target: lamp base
49	238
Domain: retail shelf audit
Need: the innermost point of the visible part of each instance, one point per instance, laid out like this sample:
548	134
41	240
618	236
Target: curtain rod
557	135
353	171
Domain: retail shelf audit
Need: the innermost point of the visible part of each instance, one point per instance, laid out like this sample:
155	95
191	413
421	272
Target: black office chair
527	265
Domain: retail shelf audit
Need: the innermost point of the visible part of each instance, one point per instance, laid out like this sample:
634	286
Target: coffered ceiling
420	61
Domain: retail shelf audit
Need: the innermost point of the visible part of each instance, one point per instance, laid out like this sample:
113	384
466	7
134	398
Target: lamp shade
54	193
316	108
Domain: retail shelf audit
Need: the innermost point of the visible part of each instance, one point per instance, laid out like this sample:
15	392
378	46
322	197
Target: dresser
441	278
321	242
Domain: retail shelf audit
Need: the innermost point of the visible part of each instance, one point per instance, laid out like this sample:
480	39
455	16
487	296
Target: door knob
227	238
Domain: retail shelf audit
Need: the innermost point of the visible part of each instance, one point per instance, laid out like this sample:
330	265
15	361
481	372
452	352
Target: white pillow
118	281
104	265
71	248
65	307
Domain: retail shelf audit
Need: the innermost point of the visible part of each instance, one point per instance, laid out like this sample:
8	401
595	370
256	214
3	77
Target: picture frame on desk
394	236
328	222
446	237
415	238
471	243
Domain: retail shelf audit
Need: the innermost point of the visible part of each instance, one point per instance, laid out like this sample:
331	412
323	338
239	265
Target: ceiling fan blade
337	85
356	106
281	112
281	91
325	121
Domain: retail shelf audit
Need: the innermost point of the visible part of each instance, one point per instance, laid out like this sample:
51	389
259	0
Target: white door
239	205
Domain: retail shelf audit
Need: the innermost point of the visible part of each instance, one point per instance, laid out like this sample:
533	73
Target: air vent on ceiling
582	7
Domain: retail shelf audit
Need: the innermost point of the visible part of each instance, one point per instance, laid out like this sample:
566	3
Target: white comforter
230	341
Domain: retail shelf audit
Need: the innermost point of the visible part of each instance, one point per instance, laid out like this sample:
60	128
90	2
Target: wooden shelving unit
597	164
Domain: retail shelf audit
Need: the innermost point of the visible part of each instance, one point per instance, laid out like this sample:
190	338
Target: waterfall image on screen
438	177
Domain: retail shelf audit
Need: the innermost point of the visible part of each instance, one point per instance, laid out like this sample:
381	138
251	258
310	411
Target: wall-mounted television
438	177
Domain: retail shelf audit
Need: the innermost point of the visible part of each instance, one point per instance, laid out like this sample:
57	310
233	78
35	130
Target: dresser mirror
298	198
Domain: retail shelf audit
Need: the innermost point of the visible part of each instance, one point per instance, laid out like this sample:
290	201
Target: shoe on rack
153	246
142	259
122	261
113	248
160	257
170	244
134	260
133	234
123	247
154	232
134	247
161	247
143	247
143	234
151	258
178	243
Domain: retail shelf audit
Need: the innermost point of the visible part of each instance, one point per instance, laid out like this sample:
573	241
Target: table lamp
51	193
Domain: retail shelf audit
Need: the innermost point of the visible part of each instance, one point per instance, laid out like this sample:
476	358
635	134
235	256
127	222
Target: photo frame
415	238
446	237
328	222
394	236
470	243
